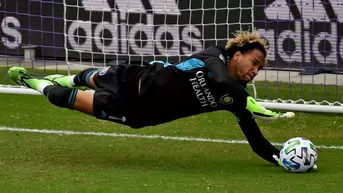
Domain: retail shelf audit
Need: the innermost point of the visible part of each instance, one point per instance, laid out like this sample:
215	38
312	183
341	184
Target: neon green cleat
22	77
65	81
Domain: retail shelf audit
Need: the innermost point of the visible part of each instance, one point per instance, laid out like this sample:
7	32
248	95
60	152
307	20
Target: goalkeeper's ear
263	113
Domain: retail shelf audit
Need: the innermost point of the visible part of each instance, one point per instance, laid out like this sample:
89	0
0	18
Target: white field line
66	132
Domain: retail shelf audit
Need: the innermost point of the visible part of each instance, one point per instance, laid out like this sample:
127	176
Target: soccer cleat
22	77
63	80
17	74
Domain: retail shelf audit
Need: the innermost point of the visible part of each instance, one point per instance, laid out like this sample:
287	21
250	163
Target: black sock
61	96
82	78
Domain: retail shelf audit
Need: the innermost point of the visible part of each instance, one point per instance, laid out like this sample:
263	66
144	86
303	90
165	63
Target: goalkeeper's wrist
278	161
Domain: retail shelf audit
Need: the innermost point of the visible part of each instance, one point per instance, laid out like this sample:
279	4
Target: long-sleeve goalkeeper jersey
199	84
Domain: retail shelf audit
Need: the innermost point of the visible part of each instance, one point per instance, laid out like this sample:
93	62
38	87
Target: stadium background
284	24
49	149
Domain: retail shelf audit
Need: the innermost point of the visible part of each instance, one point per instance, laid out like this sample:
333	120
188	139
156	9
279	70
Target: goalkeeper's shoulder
261	112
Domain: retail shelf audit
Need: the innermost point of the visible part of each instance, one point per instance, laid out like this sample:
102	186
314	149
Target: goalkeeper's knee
61	96
82	78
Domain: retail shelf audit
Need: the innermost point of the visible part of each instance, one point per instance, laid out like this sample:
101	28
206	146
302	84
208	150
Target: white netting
303	36
102	31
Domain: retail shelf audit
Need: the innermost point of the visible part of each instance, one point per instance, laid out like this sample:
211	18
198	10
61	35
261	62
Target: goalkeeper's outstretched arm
260	145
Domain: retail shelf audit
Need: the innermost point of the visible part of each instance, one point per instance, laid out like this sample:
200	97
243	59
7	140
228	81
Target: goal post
304	61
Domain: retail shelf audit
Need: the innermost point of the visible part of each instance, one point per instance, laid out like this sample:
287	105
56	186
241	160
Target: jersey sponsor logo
131	27
304	32
202	90
226	99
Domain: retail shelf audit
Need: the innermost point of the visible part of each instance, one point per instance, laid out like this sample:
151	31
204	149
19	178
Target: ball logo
226	99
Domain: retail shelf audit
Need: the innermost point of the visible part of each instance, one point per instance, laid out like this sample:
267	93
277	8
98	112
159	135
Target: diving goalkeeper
159	92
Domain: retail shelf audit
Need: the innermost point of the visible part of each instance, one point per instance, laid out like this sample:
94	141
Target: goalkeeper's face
248	64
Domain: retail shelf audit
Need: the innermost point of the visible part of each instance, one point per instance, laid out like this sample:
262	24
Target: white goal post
304	60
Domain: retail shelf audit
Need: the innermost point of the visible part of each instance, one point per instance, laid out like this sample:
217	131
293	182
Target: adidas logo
130	27
309	10
303	31
134	6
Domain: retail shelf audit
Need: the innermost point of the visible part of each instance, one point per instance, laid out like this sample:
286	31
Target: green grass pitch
96	162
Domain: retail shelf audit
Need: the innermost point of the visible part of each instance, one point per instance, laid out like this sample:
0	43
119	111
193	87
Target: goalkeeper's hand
280	162
258	111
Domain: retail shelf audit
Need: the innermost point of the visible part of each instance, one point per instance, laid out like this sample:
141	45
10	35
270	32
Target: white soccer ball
298	155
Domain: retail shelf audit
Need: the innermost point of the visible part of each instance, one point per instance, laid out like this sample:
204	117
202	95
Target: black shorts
116	96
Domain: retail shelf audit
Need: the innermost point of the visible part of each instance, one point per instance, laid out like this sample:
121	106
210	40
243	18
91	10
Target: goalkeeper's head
247	52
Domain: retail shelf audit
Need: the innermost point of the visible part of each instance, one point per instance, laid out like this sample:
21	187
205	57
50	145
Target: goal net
304	61
31	36
99	32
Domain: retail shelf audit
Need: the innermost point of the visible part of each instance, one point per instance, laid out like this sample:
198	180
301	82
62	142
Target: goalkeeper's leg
81	81
101	105
71	98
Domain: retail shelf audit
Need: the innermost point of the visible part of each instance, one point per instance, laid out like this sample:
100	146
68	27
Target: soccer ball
298	155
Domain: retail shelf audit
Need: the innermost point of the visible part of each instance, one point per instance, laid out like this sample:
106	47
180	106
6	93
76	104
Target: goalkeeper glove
278	160
263	113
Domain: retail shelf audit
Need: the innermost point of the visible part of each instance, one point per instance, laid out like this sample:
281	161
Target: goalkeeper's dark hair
245	41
